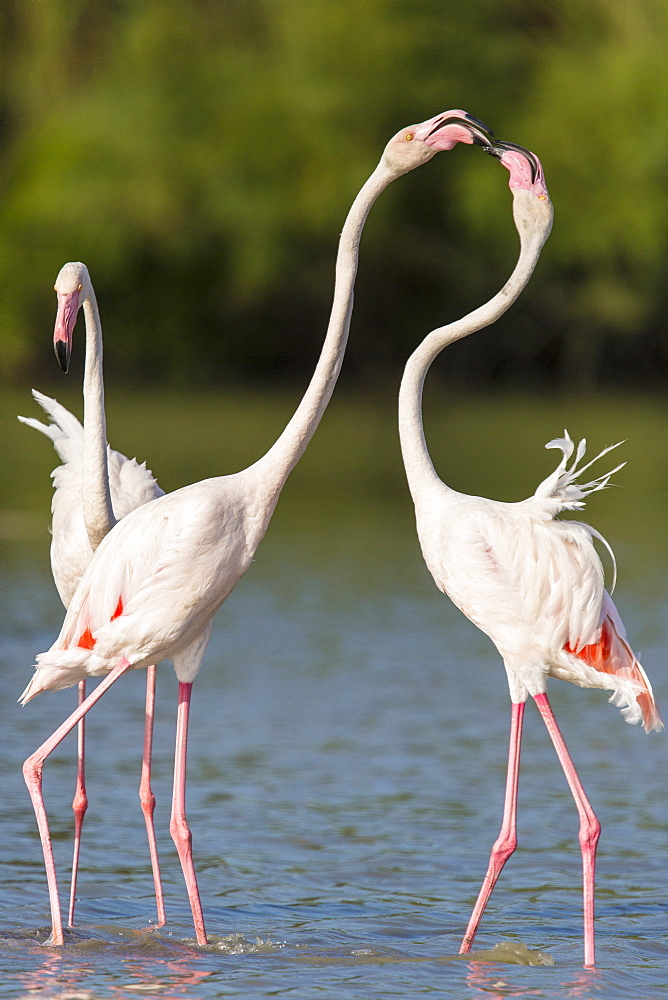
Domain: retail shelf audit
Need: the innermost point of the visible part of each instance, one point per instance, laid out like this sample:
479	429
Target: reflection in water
492	984
172	975
489	981
55	977
58	976
588	986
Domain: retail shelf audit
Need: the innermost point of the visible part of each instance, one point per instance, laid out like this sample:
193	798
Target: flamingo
157	579
93	488
534	584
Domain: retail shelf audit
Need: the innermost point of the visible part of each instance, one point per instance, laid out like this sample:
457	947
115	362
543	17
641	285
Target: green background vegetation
200	157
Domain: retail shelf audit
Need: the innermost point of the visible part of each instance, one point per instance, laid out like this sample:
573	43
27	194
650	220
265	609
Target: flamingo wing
151	588
526	582
535	586
607	653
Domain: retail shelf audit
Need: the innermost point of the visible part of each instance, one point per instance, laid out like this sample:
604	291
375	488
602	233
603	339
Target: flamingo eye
79	287
408	136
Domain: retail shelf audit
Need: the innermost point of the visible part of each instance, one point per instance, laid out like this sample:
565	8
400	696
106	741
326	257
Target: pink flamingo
93	488
531	582
157	579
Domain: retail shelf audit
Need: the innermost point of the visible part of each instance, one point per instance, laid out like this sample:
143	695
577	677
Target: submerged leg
146	796
590	828
178	826
79	804
507	840
32	772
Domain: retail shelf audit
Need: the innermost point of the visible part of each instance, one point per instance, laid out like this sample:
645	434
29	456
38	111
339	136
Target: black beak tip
63	355
482	140
503	146
479	123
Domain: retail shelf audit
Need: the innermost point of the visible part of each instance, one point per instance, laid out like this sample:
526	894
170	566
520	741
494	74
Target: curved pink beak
526	170
66	317
445	130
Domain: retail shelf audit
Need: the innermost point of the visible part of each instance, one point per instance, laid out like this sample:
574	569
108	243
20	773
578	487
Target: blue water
346	773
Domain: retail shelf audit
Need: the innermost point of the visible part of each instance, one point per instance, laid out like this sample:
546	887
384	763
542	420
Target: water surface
346	766
346	776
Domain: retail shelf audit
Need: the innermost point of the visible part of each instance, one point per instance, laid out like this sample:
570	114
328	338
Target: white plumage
157	579
131	484
535	586
93	489
170	564
533	583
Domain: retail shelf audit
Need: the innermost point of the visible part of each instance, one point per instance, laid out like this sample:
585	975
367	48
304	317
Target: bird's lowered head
416	144
72	288
532	207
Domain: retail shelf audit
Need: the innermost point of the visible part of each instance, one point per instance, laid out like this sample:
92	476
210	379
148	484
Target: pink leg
79	805
146	796
590	828
32	772
507	840
178	826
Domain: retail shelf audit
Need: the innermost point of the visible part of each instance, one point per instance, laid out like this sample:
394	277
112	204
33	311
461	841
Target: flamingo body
93	488
158	577
535	585
146	564
172	563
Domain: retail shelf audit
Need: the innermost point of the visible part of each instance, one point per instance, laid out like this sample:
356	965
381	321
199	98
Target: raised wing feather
131	485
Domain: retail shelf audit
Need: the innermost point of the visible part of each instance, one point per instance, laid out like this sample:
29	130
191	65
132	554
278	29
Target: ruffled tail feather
562	484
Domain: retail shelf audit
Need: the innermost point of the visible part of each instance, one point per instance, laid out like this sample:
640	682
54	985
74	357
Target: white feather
533	583
130	482
562	485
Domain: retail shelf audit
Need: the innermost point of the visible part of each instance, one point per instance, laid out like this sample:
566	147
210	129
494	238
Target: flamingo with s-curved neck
531	582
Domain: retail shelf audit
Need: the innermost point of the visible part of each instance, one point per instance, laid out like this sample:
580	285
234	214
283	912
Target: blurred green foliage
200	157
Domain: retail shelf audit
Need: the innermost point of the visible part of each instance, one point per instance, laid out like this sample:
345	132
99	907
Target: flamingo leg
590	828
146	796
178	826
507	839
79	804
32	772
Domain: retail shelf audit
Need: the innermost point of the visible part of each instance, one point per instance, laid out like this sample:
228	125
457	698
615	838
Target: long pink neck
419	467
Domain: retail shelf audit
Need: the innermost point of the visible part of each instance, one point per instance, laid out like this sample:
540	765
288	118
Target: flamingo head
532	206
416	144
72	288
